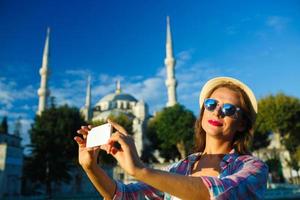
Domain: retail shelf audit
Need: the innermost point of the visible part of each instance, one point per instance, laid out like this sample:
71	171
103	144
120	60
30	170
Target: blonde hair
242	140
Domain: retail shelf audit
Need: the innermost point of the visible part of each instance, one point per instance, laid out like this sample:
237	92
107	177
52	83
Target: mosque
116	102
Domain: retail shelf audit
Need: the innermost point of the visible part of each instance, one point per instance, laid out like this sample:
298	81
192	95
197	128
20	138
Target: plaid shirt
241	177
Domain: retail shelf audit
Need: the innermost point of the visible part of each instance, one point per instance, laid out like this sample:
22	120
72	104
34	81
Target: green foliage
168	154
260	135
121	119
4	126
281	114
170	128
54	151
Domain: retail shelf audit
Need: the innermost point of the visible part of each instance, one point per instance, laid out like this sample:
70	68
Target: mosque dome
115	101
117	97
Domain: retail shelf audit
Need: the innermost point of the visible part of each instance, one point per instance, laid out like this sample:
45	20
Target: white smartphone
99	135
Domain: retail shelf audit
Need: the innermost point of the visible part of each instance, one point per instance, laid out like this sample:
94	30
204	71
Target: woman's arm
102	182
184	187
87	158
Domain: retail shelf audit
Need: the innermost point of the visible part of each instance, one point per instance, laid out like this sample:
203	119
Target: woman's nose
218	111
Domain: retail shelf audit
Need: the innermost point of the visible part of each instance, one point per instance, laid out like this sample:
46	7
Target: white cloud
26	107
231	30
73	96
10	92
103	89
152	90
71	90
81	73
6	97
28	92
277	23
183	57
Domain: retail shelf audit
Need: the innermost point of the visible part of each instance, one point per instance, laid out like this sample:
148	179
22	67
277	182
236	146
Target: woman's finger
104	147
85	128
120	138
81	143
118	127
83	131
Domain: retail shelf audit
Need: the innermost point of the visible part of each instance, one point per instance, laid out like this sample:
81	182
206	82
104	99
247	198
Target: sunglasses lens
228	109
210	104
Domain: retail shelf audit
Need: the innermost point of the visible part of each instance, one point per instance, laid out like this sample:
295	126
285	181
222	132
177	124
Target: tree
54	151
261	133
174	126
280	114
4	126
121	119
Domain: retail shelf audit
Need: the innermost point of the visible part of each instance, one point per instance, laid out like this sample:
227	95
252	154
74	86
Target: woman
220	168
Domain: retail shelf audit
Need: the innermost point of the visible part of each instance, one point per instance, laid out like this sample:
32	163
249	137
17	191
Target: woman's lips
215	122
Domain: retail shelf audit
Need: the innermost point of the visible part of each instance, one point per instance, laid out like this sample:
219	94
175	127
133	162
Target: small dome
115	97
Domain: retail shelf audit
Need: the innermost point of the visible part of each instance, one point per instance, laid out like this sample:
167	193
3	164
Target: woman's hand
126	155
87	157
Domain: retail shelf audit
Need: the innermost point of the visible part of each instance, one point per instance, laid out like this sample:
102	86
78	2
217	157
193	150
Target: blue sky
255	41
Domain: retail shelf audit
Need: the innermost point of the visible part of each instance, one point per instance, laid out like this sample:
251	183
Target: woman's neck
217	146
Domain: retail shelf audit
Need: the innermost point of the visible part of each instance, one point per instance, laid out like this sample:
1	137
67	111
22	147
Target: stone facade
11	164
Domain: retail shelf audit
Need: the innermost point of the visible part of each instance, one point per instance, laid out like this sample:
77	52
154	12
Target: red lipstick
215	122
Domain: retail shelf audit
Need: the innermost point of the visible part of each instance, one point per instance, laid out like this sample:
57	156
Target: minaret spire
171	82
118	86
43	91
87	114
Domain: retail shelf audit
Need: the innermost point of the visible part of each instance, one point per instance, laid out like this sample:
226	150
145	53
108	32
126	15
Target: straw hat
212	83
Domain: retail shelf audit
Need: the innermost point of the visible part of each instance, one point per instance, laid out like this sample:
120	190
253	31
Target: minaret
87	107
43	91
18	127
118	87
171	82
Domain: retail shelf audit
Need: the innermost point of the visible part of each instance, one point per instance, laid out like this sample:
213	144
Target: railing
281	194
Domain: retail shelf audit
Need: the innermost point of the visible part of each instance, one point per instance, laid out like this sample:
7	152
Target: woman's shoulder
251	161
248	158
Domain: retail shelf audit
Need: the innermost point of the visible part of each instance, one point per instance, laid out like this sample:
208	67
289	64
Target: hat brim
213	83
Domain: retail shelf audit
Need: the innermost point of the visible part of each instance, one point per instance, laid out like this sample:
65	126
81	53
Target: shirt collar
228	158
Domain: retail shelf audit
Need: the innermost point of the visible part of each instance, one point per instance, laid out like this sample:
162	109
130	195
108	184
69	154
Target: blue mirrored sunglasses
227	109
